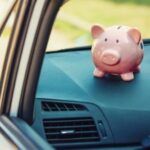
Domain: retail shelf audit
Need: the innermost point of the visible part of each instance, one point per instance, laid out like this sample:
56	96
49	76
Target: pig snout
110	57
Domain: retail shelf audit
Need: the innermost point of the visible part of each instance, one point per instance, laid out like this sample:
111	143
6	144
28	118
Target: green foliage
137	2
69	29
134	13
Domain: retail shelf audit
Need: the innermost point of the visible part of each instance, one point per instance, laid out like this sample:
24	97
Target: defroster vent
58	106
71	130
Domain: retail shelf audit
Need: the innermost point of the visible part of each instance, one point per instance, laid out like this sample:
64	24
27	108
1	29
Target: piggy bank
117	50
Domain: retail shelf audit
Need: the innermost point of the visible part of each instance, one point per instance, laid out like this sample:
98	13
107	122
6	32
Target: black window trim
13	56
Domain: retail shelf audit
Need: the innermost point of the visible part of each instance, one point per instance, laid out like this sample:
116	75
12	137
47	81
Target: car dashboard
74	110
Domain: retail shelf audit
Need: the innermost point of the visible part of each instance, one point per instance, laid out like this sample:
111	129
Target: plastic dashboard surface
68	76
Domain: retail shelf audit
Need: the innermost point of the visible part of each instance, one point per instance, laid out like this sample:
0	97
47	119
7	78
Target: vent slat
58	106
79	126
86	139
77	132
64	108
67	120
70	130
77	136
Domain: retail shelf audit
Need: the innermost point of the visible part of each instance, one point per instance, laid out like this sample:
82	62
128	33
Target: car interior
73	110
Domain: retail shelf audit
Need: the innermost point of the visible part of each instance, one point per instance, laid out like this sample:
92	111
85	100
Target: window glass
75	18
5	36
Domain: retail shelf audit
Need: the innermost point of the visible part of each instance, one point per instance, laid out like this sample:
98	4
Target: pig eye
117	41
105	39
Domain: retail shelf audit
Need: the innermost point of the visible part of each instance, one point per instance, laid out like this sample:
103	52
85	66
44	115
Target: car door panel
21	134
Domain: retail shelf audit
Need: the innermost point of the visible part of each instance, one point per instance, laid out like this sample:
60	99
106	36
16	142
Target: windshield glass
72	28
6	32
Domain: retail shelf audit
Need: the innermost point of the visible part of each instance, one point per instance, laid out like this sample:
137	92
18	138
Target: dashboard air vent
58	106
70	130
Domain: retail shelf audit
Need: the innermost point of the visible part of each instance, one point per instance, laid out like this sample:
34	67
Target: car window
5	35
72	27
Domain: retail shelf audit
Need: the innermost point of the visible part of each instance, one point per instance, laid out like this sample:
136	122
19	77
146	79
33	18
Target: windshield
72	27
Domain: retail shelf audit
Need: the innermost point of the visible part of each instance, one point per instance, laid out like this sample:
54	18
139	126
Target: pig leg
127	76
98	73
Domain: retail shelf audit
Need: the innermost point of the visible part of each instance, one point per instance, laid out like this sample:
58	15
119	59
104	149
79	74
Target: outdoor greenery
135	13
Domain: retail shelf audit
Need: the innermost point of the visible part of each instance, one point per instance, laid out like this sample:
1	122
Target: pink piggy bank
117	50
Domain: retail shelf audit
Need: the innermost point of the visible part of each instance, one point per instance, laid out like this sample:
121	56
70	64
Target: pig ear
135	34
96	30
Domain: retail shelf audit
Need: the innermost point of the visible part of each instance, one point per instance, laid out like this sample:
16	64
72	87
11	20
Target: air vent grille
58	106
70	130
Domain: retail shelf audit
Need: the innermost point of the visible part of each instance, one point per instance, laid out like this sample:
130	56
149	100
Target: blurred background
75	18
73	23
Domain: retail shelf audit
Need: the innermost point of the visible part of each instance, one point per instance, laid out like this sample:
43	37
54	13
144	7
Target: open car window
73	24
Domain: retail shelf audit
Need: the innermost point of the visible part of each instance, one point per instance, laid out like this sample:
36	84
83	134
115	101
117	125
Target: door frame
19	88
